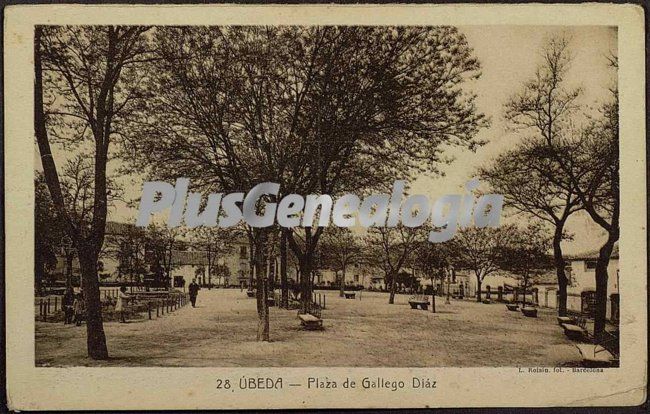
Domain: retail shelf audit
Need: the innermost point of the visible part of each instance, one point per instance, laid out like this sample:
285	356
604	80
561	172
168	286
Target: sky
509	56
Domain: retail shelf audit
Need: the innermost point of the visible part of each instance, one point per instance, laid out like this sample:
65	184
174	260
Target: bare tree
527	254
533	186
162	241
319	110
340	249
480	250
434	259
392	247
215	243
131	250
587	158
85	90
49	234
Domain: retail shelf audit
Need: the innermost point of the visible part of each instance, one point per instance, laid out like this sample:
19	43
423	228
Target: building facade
581	291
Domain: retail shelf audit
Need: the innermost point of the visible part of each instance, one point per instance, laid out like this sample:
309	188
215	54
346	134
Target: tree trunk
600	316
39	271
393	288
305	290
562	281
448	301
168	269
263	322
342	283
88	250
433	296
478	288
95	337
262	293
305	263
284	286
251	249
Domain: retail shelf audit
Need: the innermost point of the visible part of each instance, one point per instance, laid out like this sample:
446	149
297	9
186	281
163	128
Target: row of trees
138	252
523	251
319	110
567	161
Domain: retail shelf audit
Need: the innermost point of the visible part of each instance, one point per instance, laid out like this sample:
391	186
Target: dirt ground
365	332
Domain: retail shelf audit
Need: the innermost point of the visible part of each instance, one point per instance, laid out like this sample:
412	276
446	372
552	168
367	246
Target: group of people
74	304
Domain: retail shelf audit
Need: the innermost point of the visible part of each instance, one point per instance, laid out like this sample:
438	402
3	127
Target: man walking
194	290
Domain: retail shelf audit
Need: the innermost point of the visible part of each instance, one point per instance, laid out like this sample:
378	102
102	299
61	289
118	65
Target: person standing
122	302
68	302
193	288
79	308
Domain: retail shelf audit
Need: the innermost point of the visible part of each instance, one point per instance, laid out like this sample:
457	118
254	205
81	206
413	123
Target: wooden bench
610	342
270	301
250	293
349	295
595	355
565	319
419	301
487	301
310	322
601	354
577	330
529	312
512	307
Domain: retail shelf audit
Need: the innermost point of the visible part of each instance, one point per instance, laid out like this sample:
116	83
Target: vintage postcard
342	206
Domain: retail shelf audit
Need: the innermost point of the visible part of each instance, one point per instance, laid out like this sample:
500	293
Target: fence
50	309
169	304
582	303
318	299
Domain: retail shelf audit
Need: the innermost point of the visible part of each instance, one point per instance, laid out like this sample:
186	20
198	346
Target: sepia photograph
530	114
253	196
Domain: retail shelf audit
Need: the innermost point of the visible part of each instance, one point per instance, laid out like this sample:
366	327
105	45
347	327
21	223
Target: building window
243	253
590	265
356	278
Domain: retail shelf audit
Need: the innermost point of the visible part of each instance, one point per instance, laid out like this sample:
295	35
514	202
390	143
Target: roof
117	228
189	257
548	278
593	254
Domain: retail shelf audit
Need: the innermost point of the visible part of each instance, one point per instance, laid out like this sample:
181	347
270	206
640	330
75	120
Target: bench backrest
581	321
610	343
314	311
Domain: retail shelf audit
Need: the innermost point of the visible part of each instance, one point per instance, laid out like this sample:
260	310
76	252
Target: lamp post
449	273
66	243
413	275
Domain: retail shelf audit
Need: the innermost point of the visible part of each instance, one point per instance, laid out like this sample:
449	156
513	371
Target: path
221	332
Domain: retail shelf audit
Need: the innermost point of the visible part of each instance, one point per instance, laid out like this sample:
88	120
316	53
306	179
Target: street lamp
449	272
66	243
